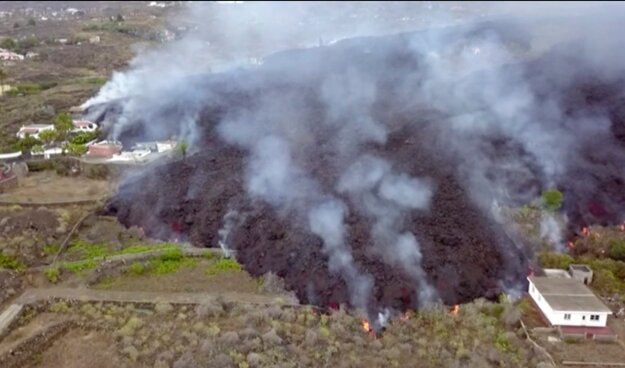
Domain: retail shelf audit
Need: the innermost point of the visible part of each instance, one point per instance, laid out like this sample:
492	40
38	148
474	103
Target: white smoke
230	220
388	197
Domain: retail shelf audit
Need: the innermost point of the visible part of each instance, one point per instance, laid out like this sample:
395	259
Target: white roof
568	294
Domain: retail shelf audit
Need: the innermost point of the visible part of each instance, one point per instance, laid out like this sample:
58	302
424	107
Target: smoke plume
390	147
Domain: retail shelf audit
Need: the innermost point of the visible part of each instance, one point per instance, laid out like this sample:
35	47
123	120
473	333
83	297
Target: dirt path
82	294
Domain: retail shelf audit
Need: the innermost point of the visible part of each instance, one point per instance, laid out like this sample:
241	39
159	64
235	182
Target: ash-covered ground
370	171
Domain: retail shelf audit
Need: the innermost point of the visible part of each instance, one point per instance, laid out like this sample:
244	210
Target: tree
63	124
8	43
552	199
31	22
48	136
75	149
617	250
26	143
16	25
119	18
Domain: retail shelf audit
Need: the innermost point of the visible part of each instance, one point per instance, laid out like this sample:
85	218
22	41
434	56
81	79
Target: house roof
564	294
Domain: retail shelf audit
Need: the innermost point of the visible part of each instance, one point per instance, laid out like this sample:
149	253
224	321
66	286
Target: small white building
33	130
84	126
566	301
10	55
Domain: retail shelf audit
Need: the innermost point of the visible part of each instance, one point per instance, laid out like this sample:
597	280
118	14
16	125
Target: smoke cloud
488	86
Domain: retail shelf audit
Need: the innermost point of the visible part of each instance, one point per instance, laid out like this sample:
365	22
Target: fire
454	310
585	231
365	326
570	244
622	227
404	317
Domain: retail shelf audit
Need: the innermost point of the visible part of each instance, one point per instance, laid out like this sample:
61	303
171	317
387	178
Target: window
567	316
594	317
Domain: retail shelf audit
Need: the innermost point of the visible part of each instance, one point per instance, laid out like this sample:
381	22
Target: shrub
10	262
136	268
83	137
53	273
50	248
617	250
79	266
223	264
552	199
173	254
555	260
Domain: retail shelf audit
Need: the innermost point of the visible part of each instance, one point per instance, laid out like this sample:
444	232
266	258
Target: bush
53	273
173	254
136	268
555	260
552	199
79	266
50	248
223	264
10	262
75	149
617	250
83	137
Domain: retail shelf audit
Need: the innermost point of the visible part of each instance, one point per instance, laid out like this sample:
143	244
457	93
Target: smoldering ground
366	171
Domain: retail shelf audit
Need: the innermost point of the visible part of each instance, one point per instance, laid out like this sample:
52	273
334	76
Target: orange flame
622	227
570	244
365	326
404	317
454	310
585	231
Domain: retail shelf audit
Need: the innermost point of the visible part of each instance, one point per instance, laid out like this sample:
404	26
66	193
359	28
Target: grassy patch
223	264
140	248
52	273
136	268
50	248
10	262
79	266
163	266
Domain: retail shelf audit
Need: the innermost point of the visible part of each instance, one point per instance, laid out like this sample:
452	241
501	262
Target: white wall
557	317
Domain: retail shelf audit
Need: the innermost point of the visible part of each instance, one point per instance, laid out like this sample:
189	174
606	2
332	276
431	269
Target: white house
84	126
10	55
566	301
33	130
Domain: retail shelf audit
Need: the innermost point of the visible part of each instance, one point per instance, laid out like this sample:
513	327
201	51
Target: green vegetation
48	136
79	266
32	22
63	124
10	262
140	248
555	260
136	268
161	267
223	264
9	44
26	143
83	137
50	248
552	199
75	149
617	250
609	274
29	88
52	273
